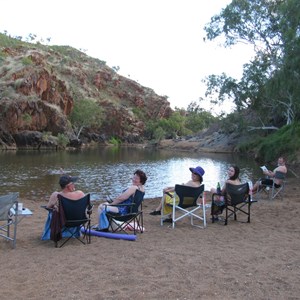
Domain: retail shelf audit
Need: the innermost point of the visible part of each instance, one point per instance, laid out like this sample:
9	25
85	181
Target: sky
158	43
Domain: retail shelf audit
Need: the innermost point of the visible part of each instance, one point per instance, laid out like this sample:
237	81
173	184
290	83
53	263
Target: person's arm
124	196
52	200
270	173
169	189
223	190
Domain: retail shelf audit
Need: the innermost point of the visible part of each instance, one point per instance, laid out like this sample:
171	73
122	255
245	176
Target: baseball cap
66	179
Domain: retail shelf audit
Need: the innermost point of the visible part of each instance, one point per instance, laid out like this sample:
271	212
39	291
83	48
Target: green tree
173	126
269	82
197	118
62	140
159	134
86	113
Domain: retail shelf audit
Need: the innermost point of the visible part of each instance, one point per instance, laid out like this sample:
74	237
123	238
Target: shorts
269	182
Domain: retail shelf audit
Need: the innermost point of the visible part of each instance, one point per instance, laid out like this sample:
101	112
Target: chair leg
73	235
86	233
249	207
142	223
277	192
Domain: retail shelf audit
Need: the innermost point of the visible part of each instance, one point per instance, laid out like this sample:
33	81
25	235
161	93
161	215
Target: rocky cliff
40	84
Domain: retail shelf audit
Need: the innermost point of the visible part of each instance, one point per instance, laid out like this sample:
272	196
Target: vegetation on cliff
61	92
64	94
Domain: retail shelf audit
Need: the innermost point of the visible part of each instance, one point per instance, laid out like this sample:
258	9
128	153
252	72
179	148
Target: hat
198	170
66	179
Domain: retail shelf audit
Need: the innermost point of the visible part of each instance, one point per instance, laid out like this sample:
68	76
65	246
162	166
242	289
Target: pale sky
158	43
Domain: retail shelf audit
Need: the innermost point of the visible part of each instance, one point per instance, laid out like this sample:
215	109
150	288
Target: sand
257	260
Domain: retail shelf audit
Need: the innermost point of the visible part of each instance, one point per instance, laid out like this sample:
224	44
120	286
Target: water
106	171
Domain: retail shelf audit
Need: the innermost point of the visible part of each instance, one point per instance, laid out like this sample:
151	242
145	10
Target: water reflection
106	171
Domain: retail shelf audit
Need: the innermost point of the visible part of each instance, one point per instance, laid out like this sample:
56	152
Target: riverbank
259	260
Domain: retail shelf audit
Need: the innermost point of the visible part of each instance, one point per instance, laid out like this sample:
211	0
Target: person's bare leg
255	187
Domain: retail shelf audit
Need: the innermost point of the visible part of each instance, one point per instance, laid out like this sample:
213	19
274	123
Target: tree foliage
180	123
86	113
270	82
197	118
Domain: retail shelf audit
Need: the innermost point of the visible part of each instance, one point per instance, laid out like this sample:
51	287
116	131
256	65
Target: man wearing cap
67	185
196	181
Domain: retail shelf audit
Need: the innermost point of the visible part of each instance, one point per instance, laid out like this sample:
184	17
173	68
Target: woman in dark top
138	180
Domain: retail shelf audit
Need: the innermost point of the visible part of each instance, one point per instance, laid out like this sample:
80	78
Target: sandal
155	213
169	220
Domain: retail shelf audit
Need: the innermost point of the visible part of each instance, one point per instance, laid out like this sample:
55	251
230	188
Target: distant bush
62	140
26	118
18	83
159	134
114	141
283	142
26	61
46	135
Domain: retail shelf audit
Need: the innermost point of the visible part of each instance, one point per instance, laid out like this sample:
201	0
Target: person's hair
200	177
236	172
142	175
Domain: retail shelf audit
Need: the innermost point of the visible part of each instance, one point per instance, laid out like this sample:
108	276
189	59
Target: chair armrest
169	194
47	208
128	204
90	209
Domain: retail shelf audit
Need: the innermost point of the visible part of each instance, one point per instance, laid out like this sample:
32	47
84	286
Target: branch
250	128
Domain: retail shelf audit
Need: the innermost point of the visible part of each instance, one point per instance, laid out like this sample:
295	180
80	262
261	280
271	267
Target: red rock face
32	115
46	87
38	89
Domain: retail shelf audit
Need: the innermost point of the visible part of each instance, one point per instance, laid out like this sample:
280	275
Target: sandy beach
260	260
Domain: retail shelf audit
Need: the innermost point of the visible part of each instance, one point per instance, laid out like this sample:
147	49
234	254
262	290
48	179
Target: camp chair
236	199
9	217
72	214
133	221
187	205
272	190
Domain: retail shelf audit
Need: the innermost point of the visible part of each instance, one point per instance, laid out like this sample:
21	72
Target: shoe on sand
169	220
155	213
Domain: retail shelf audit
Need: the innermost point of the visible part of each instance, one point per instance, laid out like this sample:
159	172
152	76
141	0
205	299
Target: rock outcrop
39	86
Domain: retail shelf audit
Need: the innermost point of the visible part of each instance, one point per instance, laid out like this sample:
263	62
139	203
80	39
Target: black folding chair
133	220
236	200
75	213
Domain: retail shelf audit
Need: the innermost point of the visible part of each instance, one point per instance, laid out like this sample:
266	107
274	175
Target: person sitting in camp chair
196	181
67	184
117	205
218	200
271	176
